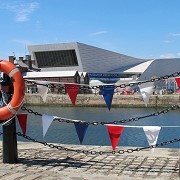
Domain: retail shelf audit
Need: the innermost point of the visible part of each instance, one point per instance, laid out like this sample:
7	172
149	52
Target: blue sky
138	28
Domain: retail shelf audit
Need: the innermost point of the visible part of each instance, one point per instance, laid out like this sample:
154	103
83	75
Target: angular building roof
80	57
22	64
161	67
140	68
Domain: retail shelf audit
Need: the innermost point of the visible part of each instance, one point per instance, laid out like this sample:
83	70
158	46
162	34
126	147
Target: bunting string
114	130
55	146
107	90
93	152
61	119
85	86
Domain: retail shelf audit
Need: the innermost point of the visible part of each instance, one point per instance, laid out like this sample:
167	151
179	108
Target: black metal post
10	154
179	167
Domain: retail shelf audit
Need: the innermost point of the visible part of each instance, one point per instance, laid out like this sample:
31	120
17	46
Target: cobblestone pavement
38	162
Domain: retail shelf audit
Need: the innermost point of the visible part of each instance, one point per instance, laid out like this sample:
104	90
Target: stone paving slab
36	161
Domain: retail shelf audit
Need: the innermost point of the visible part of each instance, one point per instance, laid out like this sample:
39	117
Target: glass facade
61	58
108	77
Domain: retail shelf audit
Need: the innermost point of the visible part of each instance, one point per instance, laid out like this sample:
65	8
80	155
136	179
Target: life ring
14	105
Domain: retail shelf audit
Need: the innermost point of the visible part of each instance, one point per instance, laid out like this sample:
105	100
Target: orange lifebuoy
14	105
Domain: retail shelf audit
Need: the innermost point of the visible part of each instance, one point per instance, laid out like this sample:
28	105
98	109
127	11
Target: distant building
81	63
98	63
160	67
52	76
24	64
55	76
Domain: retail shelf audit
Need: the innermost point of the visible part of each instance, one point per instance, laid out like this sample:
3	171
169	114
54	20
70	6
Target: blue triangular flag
81	130
108	93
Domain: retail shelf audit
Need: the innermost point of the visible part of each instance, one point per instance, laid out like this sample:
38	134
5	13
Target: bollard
10	154
179	167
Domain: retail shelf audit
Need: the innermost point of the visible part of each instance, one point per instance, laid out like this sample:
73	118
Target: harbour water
65	133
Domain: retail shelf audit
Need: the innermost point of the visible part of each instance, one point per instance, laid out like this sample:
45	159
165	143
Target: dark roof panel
161	67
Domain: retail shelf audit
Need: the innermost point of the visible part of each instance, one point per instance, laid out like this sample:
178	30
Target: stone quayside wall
98	101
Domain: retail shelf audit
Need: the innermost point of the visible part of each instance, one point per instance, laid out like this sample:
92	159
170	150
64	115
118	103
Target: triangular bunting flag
43	90
46	122
146	91
72	90
108	93
22	119
178	81
152	133
114	134
81	130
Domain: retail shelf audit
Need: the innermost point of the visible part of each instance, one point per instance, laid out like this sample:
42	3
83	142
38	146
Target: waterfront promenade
39	162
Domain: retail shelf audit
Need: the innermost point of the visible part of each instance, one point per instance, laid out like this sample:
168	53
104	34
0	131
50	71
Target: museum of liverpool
99	64
69	62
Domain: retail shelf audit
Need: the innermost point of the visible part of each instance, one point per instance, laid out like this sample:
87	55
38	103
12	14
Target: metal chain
164	111
30	111
55	146
96	152
59	86
86	87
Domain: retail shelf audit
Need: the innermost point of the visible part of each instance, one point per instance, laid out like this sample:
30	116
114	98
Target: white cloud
98	33
175	34
21	9
169	55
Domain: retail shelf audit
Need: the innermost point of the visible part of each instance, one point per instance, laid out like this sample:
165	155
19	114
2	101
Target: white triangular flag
43	90
146	91
46	122
152	133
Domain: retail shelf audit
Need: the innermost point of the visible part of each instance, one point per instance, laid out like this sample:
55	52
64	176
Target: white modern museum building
95	63
98	63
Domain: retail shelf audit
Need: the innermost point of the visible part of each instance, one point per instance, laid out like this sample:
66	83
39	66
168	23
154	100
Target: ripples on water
65	133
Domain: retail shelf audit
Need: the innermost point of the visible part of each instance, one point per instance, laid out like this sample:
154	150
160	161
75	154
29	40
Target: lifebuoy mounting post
12	78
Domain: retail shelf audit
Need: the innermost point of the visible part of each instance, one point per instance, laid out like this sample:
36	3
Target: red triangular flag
114	134
22	119
178	81
72	90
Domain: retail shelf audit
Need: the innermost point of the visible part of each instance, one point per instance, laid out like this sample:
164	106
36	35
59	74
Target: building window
62	58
